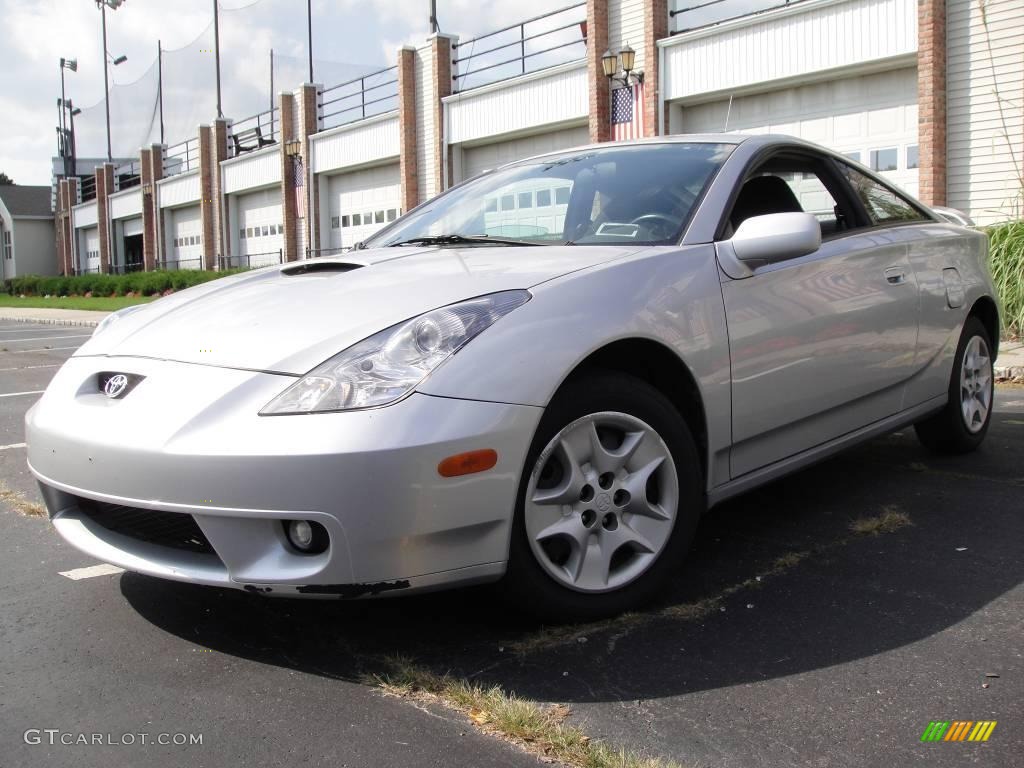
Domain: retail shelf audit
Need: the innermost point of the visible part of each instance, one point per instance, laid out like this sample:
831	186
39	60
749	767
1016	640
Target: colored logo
958	730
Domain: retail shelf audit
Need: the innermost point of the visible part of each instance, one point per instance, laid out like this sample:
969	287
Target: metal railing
128	175
180	264
362	97
180	158
687	17
251	260
88	189
86	271
123	269
553	38
252	133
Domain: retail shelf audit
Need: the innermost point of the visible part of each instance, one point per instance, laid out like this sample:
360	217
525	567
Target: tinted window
884	205
622	194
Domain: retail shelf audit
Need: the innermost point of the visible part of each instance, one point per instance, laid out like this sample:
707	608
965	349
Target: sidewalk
52	316
1010	363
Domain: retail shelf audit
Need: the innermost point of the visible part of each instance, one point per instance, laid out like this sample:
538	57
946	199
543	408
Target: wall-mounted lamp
627	58
292	148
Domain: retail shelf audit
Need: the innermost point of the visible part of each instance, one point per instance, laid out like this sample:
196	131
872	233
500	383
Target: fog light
306	536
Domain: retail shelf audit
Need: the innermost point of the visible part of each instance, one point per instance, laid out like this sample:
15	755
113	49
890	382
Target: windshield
638	194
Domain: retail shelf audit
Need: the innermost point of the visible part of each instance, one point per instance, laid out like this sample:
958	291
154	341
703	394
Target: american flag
299	184
628	112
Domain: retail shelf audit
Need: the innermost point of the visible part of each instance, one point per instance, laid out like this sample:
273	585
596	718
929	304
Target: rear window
884	204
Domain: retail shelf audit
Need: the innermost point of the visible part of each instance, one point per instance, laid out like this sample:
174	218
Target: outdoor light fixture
118	60
62	128
71	64
627	58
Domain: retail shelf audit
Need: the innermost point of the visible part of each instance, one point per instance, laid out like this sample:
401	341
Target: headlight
385	367
113	317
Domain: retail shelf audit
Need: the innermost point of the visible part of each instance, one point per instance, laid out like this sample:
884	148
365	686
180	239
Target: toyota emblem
115	386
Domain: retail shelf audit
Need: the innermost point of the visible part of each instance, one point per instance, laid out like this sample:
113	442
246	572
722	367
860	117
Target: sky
354	35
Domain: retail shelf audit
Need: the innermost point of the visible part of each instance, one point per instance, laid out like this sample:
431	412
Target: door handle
895	275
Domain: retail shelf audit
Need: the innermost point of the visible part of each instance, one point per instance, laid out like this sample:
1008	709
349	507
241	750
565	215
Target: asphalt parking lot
800	632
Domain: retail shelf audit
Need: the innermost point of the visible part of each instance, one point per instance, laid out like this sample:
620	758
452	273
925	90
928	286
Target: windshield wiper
461	240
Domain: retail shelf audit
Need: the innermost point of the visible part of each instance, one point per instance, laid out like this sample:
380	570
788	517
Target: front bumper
188	440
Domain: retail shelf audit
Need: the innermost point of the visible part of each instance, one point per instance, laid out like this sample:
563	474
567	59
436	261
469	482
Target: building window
8	248
241	233
884	159
266	230
543	198
562	196
508	202
392	214
335	222
913	159
526	199
357	219
346	221
378	217
855	156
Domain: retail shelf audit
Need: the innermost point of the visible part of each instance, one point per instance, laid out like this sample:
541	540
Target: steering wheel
660	225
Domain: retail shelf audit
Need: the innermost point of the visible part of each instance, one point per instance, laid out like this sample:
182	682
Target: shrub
139	283
1006	254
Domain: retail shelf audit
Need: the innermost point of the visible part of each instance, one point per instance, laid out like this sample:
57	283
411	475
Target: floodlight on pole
112	5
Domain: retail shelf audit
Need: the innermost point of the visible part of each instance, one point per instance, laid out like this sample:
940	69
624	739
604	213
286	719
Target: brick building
928	92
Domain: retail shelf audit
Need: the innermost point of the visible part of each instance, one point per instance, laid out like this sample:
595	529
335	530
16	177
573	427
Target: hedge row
1006	250
143	283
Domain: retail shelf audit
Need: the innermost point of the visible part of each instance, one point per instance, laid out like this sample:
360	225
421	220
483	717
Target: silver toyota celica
543	376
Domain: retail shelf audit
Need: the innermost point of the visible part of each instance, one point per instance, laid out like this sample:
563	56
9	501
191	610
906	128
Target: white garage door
870	118
361	202
260	234
478	159
185	236
89	249
132	227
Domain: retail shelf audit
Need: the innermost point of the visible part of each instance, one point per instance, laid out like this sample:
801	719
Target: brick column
206	196
309	124
58	225
104	187
597	83
289	217
441	58
70	187
407	127
931	100
655	29
152	172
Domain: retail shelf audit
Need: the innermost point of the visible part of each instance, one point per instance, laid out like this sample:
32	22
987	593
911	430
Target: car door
820	345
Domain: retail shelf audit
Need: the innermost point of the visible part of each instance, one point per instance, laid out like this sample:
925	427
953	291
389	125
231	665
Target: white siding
795	42
361	202
179	190
426	159
366	141
985	108
260	215
626	25
84	215
556	95
252	170
127	203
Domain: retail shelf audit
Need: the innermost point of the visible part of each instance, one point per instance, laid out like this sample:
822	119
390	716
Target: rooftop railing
689	16
181	158
357	99
553	38
128	175
256	132
88	189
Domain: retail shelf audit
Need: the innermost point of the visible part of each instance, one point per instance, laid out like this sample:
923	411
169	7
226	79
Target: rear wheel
961	426
608	502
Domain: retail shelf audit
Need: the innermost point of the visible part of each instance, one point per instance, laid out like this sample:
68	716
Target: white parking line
12	445
91	572
19	394
41	349
53	338
30	367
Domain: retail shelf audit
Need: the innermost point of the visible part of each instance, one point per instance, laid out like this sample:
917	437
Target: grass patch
1006	260
540	730
19	503
99	304
890	521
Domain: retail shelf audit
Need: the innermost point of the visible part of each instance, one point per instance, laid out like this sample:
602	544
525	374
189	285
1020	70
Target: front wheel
961	426
609	499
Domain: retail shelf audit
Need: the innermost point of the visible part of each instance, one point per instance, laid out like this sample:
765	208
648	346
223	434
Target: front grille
177	530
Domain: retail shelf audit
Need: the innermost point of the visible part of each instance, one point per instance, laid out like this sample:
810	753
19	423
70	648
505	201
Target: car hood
291	318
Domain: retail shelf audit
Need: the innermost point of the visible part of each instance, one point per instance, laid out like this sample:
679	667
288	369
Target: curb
1014	373
50	321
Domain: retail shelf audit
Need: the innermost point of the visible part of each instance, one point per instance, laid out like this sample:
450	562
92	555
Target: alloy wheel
975	384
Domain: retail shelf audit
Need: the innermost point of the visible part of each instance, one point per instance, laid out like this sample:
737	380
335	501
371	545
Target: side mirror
776	237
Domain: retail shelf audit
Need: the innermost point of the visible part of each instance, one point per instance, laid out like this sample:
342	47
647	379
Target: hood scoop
319	267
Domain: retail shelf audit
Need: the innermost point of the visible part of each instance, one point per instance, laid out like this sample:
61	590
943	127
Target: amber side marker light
468	463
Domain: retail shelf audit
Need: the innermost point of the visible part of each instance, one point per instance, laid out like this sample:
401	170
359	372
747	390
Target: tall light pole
216	53
72	111
71	64
103	5
309	31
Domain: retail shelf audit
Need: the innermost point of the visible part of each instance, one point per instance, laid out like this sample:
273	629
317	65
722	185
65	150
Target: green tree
5	179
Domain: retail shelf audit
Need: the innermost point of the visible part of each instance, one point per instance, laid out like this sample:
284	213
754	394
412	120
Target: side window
884	205
792	186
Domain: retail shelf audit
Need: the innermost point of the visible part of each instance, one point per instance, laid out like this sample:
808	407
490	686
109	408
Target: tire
950	431
550	576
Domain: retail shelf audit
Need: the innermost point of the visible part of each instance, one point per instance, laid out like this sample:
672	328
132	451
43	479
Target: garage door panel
259	227
362	202
478	159
185	234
